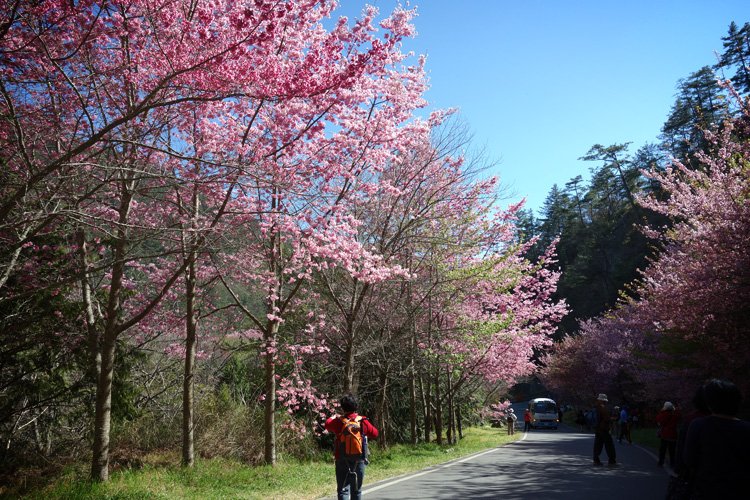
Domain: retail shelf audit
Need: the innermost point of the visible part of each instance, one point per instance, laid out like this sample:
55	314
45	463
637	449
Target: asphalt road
554	464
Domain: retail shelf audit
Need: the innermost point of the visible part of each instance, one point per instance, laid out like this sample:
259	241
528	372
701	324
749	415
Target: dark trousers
349	477
604	440
664	447
526	426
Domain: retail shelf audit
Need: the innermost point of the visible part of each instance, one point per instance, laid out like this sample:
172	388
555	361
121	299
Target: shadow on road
547	464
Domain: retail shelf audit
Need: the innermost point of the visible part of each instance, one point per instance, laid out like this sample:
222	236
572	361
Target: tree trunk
270	402
413	403
349	362
103	409
103	413
438	408
413	429
451	426
188	383
426	414
92	335
383	437
459	423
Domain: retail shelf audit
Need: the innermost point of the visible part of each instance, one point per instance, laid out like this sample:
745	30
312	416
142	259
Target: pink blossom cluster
687	321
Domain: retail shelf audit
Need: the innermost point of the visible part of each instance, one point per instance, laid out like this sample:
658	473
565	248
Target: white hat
602	397
668	406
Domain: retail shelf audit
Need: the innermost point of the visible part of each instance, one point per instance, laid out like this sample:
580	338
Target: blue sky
540	82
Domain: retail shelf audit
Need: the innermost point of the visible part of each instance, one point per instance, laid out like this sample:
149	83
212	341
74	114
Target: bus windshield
545	407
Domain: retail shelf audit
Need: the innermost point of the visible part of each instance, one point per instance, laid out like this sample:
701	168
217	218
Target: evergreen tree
736	56
554	215
698	106
617	166
600	247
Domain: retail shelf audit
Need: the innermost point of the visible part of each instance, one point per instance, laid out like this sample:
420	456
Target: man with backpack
352	432
511	418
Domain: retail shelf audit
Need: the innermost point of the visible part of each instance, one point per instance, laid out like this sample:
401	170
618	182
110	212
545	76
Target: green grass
162	478
645	436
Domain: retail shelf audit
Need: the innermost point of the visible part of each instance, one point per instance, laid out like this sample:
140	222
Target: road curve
545	464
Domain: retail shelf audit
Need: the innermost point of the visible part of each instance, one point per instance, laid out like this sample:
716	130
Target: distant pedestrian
511	421
634	417
581	420
350	470
667	419
624	426
526	420
602	437
590	419
615	417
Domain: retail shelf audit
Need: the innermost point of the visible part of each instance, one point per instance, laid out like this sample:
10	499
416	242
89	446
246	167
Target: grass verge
161	477
646	436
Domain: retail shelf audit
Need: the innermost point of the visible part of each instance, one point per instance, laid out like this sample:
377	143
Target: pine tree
699	105
736	56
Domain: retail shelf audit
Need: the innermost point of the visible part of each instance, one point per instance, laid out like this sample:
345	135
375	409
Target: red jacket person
350	470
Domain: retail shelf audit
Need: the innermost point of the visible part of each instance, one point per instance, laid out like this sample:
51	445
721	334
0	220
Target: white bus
543	413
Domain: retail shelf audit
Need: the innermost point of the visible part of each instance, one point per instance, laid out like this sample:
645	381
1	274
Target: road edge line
434	468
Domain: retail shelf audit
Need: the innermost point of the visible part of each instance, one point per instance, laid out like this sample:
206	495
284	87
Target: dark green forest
597	220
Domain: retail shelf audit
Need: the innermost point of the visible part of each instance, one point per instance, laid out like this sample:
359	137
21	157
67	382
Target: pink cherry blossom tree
99	90
686	322
301	166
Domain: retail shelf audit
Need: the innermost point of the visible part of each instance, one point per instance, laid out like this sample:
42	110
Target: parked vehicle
543	413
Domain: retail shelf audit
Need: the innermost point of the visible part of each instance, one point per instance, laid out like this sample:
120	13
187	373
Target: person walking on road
350	471
581	420
526	420
602	437
511	421
624	426
667	420
615	417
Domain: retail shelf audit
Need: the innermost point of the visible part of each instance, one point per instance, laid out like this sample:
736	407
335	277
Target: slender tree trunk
103	409
459	423
383	437
438	408
426	403
102	417
349	385
413	429
270	402
413	403
42	433
451	432
188	382
92	335
10	266
628	191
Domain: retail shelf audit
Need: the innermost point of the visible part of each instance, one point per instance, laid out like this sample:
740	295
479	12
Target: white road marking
444	466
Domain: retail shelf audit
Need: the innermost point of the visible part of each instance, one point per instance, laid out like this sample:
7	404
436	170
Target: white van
543	413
